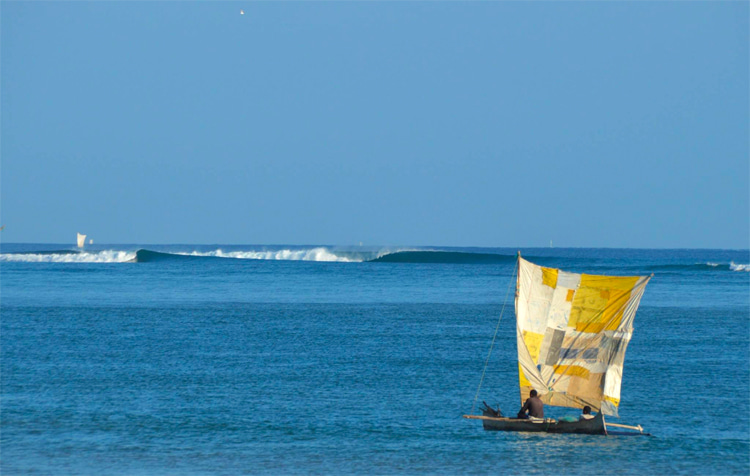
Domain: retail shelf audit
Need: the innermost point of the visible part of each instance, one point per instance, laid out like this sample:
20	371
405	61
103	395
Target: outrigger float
572	331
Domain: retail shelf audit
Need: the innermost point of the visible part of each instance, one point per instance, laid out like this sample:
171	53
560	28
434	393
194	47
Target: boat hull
594	426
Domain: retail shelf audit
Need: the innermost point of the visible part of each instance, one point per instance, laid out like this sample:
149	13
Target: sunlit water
203	361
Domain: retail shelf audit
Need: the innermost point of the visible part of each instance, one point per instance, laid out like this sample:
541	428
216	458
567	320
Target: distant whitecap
739	267
314	254
105	256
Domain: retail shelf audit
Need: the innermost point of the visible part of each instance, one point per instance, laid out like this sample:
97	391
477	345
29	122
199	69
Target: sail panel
572	333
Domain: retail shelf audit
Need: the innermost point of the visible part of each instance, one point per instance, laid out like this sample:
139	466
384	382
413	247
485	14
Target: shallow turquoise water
204	365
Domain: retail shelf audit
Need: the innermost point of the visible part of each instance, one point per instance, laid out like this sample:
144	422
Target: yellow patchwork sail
572	333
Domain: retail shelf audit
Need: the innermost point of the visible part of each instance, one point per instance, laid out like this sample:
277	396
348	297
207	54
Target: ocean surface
229	360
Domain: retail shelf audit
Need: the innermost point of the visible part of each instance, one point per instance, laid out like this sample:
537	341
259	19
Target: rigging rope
487	361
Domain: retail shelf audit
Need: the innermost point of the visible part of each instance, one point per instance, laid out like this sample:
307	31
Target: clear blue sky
606	124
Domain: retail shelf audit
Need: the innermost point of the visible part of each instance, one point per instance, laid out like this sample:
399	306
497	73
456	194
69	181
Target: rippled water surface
189	362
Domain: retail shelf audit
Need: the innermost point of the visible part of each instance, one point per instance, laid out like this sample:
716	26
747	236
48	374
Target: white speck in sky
242	12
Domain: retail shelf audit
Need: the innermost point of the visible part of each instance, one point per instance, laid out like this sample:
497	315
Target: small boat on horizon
81	240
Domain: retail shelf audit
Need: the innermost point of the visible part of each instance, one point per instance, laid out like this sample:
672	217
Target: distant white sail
81	240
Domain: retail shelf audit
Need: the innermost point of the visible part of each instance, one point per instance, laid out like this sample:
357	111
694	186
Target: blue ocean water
213	360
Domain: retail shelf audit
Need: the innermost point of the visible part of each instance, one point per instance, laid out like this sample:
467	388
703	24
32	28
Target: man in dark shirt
533	406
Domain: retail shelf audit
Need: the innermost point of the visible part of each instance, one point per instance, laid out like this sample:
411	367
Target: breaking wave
324	254
309	254
709	266
318	253
341	255
314	254
67	256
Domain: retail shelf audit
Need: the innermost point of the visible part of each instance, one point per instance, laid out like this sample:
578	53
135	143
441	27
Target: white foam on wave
106	256
739	267
313	254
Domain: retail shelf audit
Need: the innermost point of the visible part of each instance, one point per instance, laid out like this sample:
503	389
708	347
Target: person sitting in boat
586	415
533	407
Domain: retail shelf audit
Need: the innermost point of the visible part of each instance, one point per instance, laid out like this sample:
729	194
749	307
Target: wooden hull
594	426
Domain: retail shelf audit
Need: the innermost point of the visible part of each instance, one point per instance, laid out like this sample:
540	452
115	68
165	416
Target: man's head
532	393
587	410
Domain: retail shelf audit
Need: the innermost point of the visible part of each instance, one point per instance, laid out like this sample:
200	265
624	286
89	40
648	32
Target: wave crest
739	267
314	254
63	256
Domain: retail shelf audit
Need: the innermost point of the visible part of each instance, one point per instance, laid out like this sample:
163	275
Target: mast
518	277
518	330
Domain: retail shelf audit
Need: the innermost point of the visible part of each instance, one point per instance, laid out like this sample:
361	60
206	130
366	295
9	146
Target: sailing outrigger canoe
572	331
594	426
